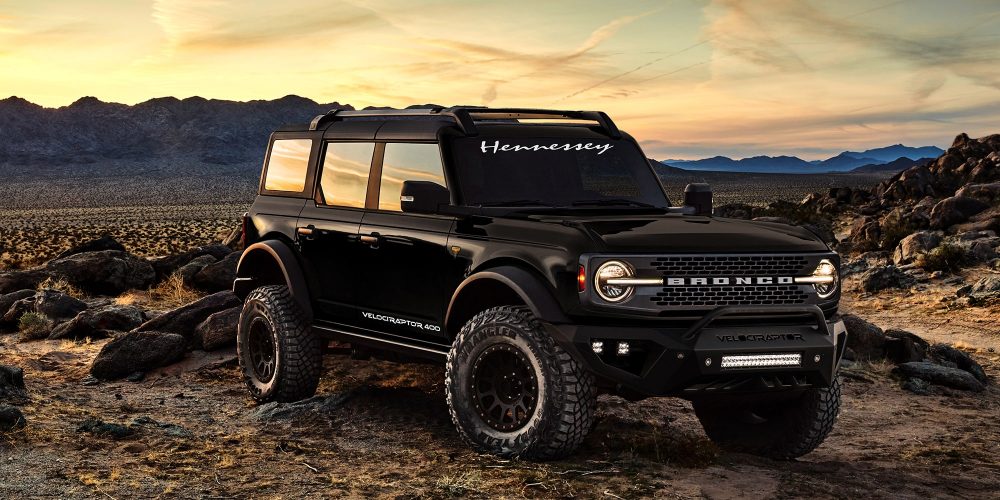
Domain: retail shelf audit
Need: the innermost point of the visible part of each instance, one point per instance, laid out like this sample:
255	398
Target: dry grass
170	293
61	285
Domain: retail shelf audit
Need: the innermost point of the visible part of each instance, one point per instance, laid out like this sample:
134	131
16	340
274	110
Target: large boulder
57	306
96	323
106	272
218	330
865	340
902	346
17	309
137	352
165	266
885	277
986	193
941	375
955	210
12	281
915	245
189	270
988	287
11	418
219	275
12	384
865	233
105	242
956	358
184	319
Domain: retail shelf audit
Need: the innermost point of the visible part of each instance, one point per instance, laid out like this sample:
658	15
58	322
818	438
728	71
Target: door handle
370	239
307	232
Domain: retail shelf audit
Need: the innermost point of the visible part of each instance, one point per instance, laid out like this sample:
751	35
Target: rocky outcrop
915	245
885	277
184	319
7	301
105	242
12	385
165	266
12	281
137	351
940	375
99	322
57	306
217	276
105	272
954	210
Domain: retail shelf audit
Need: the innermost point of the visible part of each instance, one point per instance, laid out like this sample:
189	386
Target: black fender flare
530	288
272	262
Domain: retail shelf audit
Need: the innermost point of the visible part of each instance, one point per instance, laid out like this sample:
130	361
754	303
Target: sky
688	78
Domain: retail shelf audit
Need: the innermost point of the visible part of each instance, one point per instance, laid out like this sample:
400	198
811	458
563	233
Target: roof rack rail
466	116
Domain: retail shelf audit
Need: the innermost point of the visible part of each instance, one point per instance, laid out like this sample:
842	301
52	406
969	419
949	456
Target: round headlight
826	269
612	270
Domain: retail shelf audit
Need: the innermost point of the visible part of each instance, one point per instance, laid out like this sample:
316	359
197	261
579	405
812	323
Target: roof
467	119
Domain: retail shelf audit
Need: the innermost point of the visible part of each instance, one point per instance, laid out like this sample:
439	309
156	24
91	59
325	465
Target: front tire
280	357
513	392
781	430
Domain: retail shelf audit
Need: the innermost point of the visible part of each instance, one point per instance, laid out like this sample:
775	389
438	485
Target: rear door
409	272
327	232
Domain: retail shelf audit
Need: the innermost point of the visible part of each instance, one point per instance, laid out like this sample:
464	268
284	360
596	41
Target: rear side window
344	181
287	165
407	162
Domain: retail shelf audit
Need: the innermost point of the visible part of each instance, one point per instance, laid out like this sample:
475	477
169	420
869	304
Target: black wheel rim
504	387
261	345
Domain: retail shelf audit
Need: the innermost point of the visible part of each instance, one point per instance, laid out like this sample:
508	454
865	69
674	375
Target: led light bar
760	360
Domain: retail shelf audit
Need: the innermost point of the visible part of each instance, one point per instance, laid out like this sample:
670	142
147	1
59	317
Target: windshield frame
545	132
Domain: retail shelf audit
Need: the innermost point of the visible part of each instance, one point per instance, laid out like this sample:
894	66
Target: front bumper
687	361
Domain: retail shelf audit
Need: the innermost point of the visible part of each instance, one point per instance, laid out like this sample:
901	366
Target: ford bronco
535	253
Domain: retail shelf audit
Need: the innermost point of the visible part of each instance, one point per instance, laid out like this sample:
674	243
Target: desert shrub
33	326
60	285
173	292
894	229
946	257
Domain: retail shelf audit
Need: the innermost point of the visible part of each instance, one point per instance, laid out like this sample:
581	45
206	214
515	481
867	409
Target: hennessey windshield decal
496	147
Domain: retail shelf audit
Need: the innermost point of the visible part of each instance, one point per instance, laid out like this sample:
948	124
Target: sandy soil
384	432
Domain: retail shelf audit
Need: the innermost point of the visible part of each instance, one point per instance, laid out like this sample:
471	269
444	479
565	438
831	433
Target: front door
408	272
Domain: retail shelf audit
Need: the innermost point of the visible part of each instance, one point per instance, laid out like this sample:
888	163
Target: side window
407	162
287	165
344	181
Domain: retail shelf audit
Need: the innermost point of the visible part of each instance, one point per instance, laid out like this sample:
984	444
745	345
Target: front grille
680	296
732	265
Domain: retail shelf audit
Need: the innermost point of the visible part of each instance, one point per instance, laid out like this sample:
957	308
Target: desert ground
381	429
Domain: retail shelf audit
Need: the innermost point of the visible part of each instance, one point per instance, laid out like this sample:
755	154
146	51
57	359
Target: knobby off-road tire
272	320
564	403
782	430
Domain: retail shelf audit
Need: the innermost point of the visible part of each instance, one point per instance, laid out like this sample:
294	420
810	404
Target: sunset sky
688	78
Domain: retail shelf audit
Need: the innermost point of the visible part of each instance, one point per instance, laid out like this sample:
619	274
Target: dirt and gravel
381	429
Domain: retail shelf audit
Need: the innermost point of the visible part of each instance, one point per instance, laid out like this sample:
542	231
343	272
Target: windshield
556	172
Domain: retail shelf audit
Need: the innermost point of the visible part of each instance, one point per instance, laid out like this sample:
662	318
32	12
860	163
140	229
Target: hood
677	234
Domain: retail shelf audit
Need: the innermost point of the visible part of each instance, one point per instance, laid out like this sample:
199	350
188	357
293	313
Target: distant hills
847	161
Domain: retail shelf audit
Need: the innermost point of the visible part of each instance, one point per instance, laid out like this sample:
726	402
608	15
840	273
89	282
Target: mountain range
844	162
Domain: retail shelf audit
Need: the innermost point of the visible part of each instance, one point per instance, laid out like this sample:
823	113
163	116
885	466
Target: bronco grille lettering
737	280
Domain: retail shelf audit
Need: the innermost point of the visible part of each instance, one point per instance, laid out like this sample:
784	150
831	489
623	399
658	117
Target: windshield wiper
516	203
610	202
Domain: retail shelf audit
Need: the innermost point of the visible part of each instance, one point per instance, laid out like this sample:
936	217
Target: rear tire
280	357
513	392
782	430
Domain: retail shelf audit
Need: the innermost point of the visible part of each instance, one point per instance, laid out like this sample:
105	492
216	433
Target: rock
7	300
187	271
864	339
184	319
105	242
13	281
957	358
106	272
95	323
864	262
865	233
954	210
17	309
137	351
287	411
941	375
12	384
235	238
917	386
218	330
57	305
219	275
987	288
902	346
165	266
986	193
169	429
885	277
11	418
104	429
914	245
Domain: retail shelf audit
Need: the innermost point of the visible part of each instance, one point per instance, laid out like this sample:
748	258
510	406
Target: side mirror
698	196
423	197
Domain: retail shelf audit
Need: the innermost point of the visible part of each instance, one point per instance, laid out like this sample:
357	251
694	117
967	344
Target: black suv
535	253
